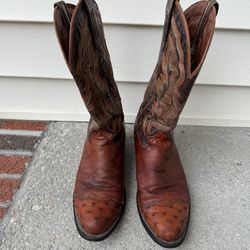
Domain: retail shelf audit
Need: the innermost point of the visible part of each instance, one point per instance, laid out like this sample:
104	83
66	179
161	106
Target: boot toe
95	217
167	223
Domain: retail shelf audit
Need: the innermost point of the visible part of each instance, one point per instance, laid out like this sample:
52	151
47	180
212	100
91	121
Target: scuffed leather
99	188
163	196
162	190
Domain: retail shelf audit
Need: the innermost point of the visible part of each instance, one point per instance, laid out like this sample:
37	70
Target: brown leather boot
163	198
99	195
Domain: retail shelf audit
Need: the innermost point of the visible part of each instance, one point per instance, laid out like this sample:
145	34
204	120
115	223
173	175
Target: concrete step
217	164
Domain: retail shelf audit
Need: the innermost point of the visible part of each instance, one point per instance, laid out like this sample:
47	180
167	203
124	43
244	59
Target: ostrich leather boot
162	193
99	194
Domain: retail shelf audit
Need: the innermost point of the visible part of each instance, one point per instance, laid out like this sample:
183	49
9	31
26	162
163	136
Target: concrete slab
217	164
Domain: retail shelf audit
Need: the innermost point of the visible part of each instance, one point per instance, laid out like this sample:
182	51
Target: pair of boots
162	193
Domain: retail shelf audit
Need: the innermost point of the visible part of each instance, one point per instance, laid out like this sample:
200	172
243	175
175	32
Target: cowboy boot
162	197
99	195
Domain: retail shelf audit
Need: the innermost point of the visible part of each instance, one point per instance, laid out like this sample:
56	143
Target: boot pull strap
98	36
203	22
168	16
64	12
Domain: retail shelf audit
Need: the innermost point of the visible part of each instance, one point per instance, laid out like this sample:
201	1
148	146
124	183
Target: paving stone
12	142
23	125
8	188
2	212
16	137
13	164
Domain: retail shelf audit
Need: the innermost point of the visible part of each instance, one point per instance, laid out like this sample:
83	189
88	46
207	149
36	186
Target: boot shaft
80	34
186	40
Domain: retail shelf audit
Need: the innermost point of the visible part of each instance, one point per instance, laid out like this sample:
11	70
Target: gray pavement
217	164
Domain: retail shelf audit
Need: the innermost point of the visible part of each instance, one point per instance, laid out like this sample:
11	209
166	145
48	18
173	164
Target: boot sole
160	242
103	236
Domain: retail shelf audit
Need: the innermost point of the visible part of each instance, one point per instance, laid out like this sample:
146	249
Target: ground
217	164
